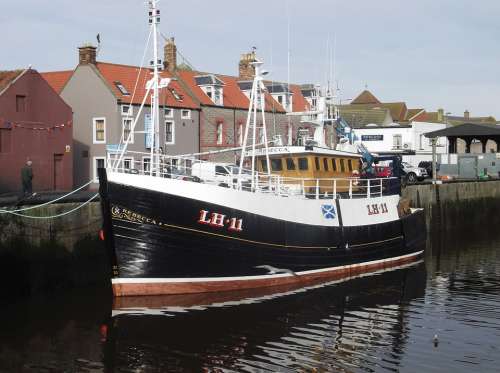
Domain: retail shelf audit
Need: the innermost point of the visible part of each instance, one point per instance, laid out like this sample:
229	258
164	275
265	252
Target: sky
429	53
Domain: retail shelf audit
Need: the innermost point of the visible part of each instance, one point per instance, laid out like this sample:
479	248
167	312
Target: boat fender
101	234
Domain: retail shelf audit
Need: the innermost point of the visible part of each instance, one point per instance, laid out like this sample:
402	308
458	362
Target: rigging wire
47	203
55	216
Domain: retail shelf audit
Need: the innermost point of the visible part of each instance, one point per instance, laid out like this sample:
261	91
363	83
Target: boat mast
257	102
154	21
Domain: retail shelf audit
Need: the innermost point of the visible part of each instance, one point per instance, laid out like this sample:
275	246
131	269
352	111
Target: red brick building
36	125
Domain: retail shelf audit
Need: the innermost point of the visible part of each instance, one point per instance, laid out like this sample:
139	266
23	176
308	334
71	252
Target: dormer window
212	86
122	89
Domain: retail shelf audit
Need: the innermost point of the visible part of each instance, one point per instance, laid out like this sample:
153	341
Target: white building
407	140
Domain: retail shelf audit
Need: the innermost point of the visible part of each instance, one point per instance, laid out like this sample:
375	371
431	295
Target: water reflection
333	327
379	323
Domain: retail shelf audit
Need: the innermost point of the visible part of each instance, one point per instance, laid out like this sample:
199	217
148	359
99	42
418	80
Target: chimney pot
87	54
466	115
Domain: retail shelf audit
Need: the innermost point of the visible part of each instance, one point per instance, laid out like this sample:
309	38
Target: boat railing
227	175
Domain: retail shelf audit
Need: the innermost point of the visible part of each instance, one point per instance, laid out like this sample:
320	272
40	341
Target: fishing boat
285	215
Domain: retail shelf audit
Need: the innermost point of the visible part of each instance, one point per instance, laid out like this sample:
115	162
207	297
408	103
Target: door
58	172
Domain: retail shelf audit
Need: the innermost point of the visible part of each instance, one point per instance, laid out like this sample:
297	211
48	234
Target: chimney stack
170	55
466	115
246	69
87	54
440	115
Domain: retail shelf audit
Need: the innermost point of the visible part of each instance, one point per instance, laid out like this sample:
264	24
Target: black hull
158	236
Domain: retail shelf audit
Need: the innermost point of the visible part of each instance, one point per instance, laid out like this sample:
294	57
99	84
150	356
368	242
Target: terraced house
106	97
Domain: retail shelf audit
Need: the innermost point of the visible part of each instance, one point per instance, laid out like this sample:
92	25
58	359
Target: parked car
413	173
428	167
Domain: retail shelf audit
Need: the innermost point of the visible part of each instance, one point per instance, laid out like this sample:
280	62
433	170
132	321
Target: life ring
355	174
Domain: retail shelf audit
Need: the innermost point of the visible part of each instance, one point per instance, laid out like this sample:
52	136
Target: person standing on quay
27	179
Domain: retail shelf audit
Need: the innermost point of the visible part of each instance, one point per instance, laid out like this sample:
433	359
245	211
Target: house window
303	164
99	130
397	141
127	110
20	103
240	134
169	113
122	89
290	164
128	163
208	92
5	140
127	129
219	133
98	163
218	96
169	132
146	165
186	114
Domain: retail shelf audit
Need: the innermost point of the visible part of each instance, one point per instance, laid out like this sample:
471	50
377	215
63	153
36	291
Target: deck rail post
317	188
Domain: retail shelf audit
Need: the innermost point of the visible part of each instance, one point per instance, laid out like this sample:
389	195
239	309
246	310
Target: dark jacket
26	174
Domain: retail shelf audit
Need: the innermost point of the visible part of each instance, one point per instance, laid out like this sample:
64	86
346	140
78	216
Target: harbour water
441	315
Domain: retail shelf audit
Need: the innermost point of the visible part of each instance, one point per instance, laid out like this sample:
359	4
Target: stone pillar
246	69
170	55
483	143
87	54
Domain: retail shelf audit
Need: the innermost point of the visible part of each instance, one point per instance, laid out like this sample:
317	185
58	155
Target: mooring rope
46	203
53	216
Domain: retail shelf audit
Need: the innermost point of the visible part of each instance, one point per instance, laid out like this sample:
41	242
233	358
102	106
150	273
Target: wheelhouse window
334	164
99	130
186	114
349	164
219	133
263	163
127	128
276	164
342	166
325	164
290	164
316	163
20	103
303	164
169	132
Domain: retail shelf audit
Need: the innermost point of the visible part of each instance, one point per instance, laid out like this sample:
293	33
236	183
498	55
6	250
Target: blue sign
114	148
148	129
328	211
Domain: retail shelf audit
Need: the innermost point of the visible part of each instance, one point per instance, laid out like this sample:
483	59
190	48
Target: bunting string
35	126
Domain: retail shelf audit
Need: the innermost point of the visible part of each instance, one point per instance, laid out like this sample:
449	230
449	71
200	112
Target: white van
218	172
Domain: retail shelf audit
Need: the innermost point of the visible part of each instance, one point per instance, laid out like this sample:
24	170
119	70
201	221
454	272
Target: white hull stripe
250	278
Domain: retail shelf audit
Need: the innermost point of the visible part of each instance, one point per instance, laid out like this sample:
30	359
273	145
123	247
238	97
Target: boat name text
217	220
377	208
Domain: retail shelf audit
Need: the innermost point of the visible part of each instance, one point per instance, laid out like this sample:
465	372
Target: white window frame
207	90
173	132
171	115
131	160
148	172
94	166
219	135
220	92
123	129
94	138
397	144
129	112
188	116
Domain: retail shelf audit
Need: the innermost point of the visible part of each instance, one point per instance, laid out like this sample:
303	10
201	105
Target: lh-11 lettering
217	220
